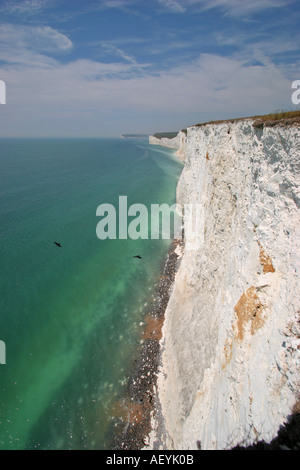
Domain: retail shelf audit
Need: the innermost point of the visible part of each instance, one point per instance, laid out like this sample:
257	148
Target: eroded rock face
231	335
176	143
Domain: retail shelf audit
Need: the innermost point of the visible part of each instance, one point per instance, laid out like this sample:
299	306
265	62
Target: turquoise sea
71	317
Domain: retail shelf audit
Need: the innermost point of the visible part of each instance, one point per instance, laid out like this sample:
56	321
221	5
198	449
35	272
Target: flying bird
58	244
138	256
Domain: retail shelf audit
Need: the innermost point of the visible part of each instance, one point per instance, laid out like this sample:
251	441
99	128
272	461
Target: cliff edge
177	142
231	336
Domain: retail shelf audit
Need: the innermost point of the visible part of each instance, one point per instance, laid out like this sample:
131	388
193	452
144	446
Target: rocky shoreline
139	406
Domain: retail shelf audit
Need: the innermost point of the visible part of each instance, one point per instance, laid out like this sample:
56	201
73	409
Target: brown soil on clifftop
287	118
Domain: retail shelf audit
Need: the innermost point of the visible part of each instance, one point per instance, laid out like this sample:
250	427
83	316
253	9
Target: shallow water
71	317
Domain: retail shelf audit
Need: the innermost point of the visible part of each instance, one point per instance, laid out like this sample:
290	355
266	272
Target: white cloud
20	38
116	3
24	7
116	51
48	97
81	94
173	5
238	8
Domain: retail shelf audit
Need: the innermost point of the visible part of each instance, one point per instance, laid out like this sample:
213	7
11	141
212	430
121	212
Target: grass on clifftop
278	117
266	118
165	135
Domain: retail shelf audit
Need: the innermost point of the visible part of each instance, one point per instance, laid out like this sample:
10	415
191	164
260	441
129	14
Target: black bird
58	244
138	256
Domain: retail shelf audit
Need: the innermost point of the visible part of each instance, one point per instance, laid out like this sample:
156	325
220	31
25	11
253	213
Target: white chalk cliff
230	346
176	143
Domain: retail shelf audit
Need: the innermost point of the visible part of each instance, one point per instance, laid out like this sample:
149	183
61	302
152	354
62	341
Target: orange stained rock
249	311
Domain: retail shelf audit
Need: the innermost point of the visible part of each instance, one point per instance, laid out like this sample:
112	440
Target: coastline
234	327
139	409
139	406
230	347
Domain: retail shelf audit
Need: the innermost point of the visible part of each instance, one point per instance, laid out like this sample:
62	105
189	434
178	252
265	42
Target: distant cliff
135	136
171	140
231	337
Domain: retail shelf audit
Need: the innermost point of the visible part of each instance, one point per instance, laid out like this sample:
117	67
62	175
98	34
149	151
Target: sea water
71	317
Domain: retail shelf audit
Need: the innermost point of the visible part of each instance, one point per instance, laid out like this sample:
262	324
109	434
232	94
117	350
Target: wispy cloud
237	8
26	47
116	3
210	85
173	6
121	54
109	79
18	39
23	7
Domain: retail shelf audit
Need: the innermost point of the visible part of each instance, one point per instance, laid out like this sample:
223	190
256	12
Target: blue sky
106	67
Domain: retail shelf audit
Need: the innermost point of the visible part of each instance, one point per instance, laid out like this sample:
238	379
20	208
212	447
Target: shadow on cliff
288	437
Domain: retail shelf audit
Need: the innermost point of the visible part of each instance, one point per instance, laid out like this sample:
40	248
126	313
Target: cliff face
230	347
176	143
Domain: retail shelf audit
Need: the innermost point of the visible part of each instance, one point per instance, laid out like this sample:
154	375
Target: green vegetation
282	117
279	115
165	135
266	118
168	135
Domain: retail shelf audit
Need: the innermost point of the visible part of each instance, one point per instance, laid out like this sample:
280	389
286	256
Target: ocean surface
72	316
